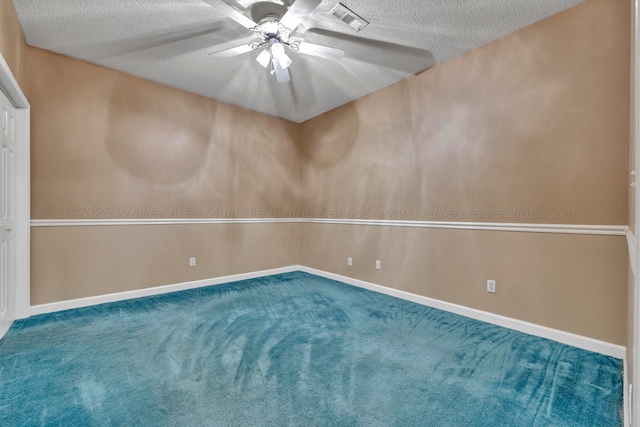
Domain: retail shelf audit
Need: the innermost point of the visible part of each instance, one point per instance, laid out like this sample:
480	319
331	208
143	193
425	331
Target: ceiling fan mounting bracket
270	17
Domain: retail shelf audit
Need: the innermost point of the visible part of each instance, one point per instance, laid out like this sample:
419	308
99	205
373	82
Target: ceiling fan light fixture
277	49
284	60
278	53
264	58
274	32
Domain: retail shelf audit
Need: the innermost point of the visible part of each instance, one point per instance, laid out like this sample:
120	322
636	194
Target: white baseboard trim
138	293
579	341
575	340
626	394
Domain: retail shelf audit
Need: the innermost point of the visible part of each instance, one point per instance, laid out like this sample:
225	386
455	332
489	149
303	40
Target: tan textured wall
106	145
75	262
534	122
12	44
109	145
533	127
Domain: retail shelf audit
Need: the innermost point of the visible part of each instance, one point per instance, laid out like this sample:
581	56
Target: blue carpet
297	350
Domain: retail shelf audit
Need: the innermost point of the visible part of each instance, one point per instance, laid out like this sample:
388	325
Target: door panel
7	215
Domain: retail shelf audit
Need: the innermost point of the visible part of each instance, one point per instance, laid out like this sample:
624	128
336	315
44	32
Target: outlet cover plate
491	286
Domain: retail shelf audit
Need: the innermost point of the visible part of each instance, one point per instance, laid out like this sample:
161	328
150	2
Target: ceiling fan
274	33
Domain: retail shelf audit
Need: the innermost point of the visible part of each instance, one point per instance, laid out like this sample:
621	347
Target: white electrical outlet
349	261
192	262
491	286
377	264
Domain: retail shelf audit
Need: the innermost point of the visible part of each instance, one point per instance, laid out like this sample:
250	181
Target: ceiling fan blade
151	41
282	74
321	51
232	13
234	51
390	55
299	10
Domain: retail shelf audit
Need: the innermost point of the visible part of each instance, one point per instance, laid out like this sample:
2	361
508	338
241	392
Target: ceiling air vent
348	16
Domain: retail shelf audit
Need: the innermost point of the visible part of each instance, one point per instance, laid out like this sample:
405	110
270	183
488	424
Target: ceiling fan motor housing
270	24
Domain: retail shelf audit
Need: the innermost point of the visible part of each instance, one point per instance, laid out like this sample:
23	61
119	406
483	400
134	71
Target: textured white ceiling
168	41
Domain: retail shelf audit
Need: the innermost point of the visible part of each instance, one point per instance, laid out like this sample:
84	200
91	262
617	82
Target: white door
7	214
